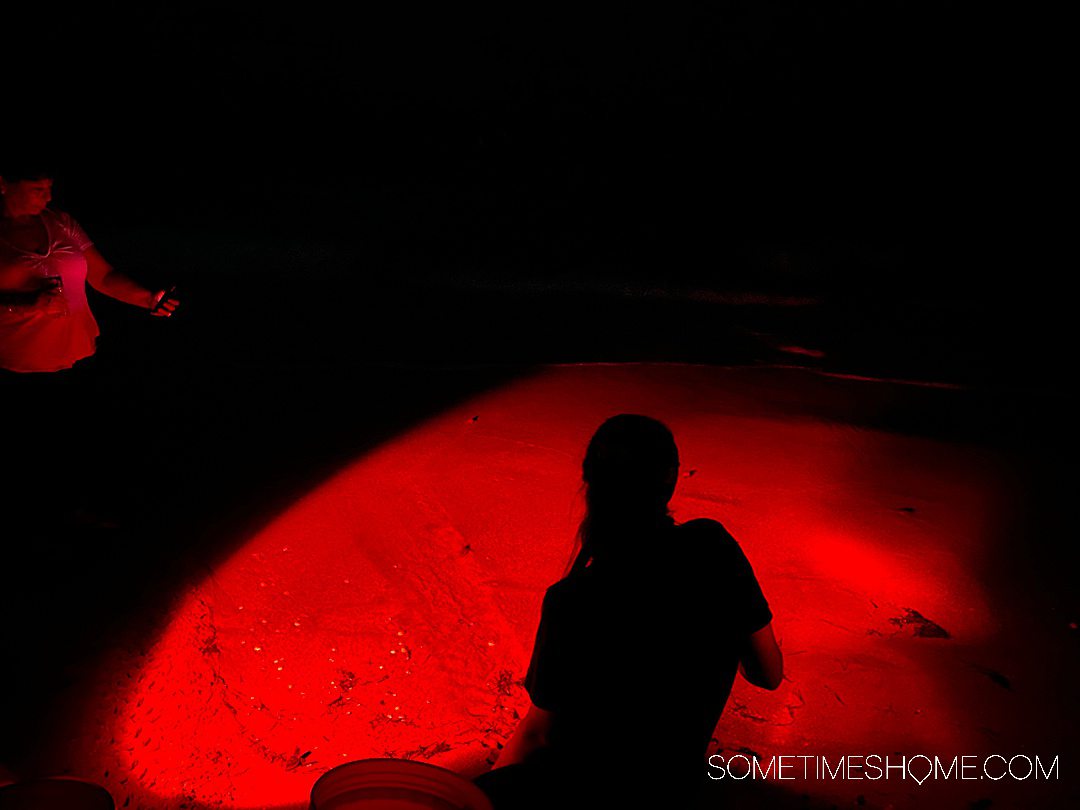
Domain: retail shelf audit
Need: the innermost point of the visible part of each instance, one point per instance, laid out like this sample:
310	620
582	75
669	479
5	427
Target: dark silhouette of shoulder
720	560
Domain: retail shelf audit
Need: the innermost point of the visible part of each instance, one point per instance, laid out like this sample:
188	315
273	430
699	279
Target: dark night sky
630	136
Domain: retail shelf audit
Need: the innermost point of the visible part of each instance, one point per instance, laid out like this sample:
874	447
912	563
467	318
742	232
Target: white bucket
395	784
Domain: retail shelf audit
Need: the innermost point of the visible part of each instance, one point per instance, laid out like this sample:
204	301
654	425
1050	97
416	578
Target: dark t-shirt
636	657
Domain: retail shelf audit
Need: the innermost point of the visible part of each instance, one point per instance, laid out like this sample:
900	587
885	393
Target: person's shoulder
57	214
706	529
707	538
569	591
563	589
66	224
61	218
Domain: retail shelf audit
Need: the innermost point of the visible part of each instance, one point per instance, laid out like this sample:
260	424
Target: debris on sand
923	627
995	676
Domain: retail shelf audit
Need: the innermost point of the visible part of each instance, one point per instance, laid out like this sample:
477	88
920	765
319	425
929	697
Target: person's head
26	189
631	464
629	473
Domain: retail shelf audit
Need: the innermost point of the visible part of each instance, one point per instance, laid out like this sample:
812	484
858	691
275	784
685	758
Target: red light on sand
364	622
391	612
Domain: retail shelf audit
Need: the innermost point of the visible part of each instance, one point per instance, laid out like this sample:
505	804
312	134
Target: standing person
55	417
638	645
46	260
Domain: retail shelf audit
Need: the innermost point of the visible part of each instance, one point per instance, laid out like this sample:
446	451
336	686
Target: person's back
638	645
636	656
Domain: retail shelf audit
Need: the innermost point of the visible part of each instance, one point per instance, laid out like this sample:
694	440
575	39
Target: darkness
438	198
788	145
890	160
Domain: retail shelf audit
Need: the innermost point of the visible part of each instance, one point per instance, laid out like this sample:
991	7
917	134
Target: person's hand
50	296
162	303
51	286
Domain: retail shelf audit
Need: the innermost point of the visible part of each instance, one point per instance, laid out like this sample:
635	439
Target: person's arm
19	298
111	282
761	661
531	733
23	300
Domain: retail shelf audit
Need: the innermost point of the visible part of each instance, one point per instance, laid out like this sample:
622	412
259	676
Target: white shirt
59	329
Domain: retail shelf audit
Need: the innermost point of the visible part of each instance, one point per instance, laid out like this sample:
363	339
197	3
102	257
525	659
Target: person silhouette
638	644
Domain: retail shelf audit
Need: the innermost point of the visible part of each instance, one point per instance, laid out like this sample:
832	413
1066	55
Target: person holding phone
62	420
46	260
